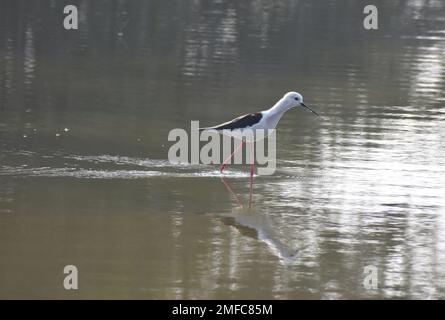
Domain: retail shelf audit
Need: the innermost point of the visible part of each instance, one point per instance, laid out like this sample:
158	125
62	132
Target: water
84	175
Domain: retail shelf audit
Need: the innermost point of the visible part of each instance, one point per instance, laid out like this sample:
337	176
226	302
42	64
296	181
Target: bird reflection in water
233	193
258	225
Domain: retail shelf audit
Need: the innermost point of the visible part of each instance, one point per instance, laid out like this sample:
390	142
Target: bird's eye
296	98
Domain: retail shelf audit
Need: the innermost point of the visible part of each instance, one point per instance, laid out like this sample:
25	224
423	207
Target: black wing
244	121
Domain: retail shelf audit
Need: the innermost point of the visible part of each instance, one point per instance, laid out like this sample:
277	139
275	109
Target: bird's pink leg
231	156
252	168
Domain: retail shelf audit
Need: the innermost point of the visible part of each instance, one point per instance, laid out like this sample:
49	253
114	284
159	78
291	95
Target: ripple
81	168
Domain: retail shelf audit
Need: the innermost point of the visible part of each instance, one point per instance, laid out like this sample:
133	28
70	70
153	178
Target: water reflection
259	226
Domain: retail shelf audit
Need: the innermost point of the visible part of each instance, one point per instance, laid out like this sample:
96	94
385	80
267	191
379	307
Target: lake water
84	175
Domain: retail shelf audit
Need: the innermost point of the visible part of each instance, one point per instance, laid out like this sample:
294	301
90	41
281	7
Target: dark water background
84	176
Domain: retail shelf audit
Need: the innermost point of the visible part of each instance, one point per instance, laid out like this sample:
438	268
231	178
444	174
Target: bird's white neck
279	108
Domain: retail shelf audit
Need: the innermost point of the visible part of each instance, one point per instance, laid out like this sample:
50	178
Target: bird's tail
206	128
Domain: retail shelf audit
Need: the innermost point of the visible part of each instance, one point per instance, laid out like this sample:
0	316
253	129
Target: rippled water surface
85	179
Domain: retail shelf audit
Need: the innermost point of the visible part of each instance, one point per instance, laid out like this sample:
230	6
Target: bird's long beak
309	109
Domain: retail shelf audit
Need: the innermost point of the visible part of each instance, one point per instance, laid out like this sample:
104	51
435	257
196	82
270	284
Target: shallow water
84	175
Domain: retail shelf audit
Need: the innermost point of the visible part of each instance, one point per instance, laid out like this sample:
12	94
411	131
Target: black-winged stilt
265	120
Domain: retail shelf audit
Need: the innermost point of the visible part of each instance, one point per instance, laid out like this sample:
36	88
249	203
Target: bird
265	120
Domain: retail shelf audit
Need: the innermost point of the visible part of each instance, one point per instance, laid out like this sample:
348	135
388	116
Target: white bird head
294	99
